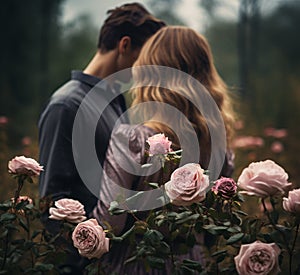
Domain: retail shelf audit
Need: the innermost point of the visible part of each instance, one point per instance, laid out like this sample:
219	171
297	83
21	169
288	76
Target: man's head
131	20
126	30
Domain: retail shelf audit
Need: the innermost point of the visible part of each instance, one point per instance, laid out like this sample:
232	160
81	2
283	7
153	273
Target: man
121	37
120	41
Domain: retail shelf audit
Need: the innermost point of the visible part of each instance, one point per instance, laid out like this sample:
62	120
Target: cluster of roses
188	184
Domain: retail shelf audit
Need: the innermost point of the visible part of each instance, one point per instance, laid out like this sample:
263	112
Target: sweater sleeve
124	156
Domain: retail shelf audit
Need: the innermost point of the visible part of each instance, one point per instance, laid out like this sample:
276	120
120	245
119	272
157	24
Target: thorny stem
28	238
275	226
293	247
17	193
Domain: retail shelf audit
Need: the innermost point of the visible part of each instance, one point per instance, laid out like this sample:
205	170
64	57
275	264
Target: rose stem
28	237
293	247
17	193
277	229
275	226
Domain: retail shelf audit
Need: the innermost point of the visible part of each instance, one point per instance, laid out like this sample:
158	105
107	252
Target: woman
179	118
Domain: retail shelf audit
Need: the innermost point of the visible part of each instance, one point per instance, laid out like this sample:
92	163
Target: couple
129	37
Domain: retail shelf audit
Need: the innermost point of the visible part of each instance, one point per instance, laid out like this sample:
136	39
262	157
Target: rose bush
258	258
24	166
159	144
188	184
69	210
263	179
89	238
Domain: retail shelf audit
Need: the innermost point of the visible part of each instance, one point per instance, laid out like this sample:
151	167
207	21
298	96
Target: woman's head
183	49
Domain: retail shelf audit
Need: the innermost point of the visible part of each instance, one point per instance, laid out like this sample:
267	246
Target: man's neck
102	65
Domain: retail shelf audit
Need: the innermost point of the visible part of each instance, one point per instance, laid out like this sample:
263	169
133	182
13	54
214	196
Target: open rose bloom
89	238
188	184
225	187
159	144
258	258
24	166
292	203
69	210
264	179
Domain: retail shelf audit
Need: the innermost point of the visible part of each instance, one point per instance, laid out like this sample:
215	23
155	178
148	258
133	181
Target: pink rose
225	187
276	133
258	258
69	210
277	147
187	185
292	203
247	142
263	179
3	120
159	144
89	238
24	166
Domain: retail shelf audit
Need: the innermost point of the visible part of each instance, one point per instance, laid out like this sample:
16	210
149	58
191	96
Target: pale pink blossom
89	238
26	141
276	133
24	166
277	147
69	210
258	258
247	142
3	120
239	124
292	202
188	184
159	144
263	179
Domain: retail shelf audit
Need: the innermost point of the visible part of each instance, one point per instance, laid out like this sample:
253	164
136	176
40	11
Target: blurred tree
248	39
29	29
165	10
38	53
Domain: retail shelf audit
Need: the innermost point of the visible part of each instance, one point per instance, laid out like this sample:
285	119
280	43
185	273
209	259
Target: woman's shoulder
134	135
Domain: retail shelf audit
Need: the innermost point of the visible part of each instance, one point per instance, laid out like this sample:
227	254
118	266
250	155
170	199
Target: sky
188	11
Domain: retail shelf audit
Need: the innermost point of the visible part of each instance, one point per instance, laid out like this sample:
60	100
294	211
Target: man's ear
124	45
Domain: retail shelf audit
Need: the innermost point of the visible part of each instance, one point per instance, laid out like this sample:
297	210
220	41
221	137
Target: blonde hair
184	49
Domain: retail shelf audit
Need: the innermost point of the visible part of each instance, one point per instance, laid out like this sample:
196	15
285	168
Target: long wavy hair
183	49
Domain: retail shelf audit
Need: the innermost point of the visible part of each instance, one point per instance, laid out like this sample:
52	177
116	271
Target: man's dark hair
131	20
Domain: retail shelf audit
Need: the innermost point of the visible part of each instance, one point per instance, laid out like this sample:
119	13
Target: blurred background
255	45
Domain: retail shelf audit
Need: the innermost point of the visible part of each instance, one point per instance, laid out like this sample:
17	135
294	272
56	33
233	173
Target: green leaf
7	217
241	213
131	259
189	218
219	253
29	206
23	224
146	165
153	184
5	206
4	234
156	262
114	208
194	265
235	238
235	229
